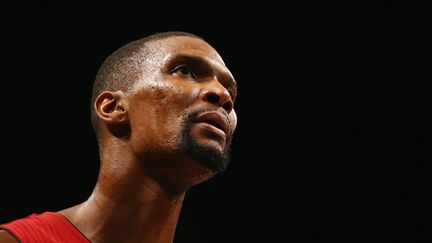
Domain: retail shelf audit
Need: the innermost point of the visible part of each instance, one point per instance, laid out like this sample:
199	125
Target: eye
184	70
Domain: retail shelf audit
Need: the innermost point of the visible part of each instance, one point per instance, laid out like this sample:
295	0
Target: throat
149	217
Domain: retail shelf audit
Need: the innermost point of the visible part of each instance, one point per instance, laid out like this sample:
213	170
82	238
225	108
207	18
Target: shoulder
6	237
14	231
45	227
27	228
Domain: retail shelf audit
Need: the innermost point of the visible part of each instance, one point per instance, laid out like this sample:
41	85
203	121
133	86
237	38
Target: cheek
168	94
233	119
157	113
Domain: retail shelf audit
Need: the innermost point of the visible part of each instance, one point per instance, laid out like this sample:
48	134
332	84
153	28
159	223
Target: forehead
171	46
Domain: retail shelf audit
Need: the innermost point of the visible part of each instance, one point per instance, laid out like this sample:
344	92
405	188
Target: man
163	112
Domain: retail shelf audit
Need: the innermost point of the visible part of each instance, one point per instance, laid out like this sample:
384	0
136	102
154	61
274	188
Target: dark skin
144	175
5	237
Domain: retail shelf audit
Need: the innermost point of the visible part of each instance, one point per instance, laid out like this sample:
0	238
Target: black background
335	123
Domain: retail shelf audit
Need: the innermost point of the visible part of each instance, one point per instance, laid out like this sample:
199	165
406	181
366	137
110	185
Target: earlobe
111	107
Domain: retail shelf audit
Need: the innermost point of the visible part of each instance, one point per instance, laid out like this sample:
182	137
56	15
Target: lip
216	120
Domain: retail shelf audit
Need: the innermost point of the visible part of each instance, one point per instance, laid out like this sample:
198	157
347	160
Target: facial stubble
207	155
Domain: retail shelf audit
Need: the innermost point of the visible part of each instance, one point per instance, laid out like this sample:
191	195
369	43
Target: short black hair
122	68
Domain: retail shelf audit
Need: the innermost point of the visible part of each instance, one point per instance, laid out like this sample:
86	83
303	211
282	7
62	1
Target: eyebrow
193	59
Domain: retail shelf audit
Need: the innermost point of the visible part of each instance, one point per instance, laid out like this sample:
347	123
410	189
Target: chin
208	150
208	155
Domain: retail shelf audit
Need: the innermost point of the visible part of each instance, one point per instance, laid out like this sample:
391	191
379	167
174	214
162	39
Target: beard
206	155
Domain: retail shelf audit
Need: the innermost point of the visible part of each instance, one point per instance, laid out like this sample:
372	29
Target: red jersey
48	227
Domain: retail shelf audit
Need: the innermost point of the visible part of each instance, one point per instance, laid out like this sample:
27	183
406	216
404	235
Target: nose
218	95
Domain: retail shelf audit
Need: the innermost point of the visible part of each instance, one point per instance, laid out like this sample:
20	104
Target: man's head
169	97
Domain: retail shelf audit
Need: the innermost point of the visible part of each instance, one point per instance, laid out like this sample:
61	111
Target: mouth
215	122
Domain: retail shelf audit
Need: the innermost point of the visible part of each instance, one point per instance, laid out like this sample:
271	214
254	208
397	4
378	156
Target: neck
127	206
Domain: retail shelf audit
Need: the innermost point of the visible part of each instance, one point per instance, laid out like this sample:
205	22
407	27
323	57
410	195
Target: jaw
178	174
207	151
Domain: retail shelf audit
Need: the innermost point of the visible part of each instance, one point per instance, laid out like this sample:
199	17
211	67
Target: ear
111	108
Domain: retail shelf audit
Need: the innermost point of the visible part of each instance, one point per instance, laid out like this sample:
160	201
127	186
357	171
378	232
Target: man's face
182	108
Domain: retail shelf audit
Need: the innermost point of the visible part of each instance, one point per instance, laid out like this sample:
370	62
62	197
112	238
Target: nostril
228	106
213	98
221	99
